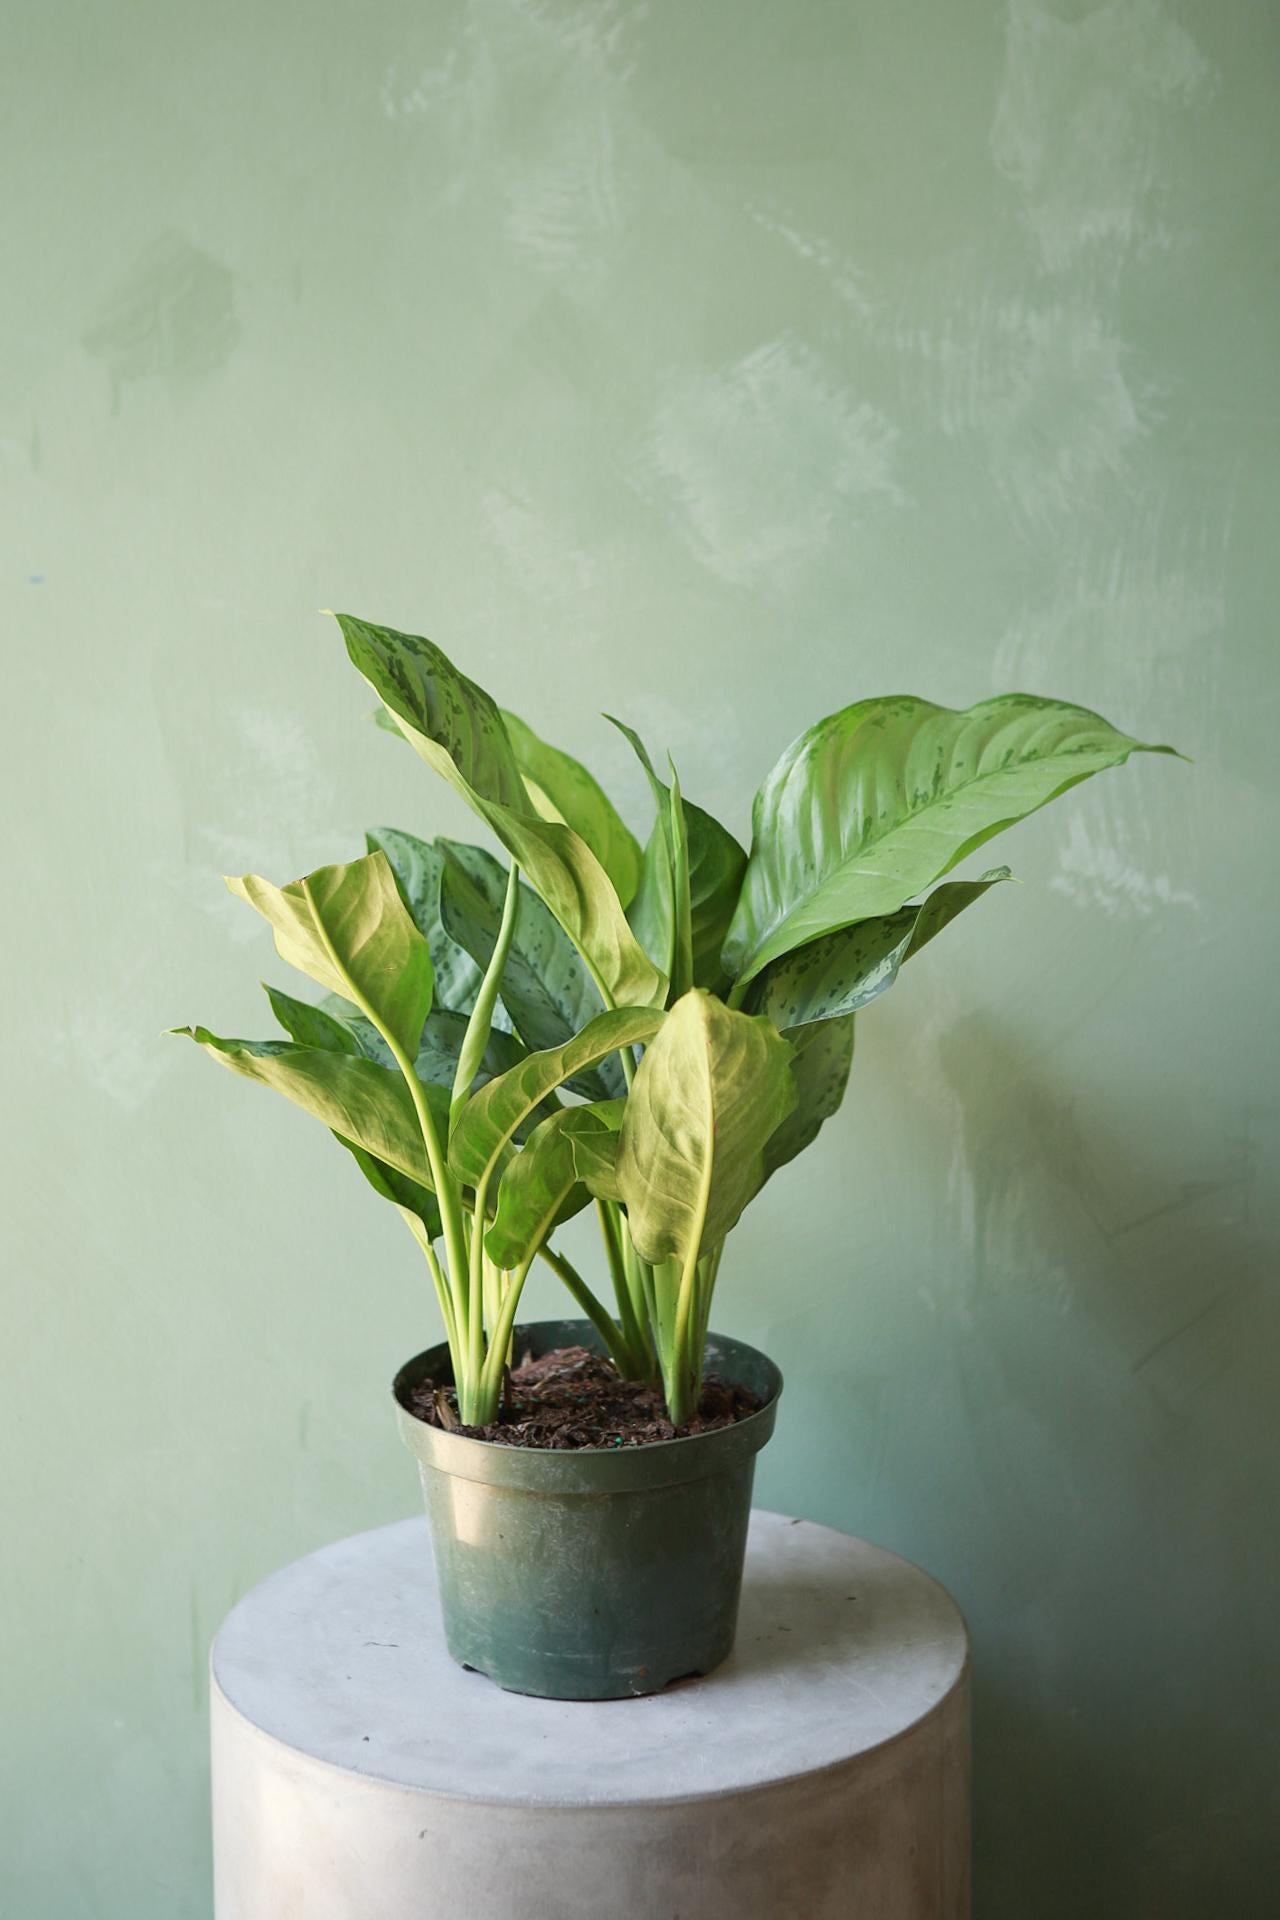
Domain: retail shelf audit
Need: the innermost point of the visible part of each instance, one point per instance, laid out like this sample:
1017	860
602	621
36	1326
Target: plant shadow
1103	1485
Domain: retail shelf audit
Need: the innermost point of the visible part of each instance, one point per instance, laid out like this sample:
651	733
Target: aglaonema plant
653	1031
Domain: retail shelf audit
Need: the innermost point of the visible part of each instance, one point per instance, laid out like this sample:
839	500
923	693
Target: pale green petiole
480	1025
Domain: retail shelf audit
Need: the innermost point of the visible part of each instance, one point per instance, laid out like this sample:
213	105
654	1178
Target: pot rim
687	1456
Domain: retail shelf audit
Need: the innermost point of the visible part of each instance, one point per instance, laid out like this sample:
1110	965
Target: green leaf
315	1027
458	730
436	1060
416	1203
312	1026
348	928
876	802
712	1087
561	788
682	905
542	1185
821	1056
356	1098
716	864
418	866
452	722
660	911
595	1150
845	971
490	1119
441	1045
546	987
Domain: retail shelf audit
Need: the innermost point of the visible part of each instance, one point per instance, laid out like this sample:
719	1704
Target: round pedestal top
841	1647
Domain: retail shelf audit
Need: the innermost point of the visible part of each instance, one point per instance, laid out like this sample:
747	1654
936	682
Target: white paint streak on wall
281	818
763	462
545	560
1041	379
840	273
1082	120
422	93
1100	873
1046	388
562	199
525	104
1150	608
108	1044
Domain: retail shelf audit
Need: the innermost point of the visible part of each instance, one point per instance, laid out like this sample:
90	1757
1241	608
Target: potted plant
652	1031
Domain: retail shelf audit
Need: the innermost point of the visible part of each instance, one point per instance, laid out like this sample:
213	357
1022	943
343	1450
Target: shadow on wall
1117	1372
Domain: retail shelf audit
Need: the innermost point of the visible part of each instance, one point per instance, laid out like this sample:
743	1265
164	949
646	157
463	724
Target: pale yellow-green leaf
347	928
712	1087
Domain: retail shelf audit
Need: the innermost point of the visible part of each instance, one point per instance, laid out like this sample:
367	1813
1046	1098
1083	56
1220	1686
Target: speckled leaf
710	1090
456	727
542	1185
347	927
821	1056
356	1098
874	803
418	866
681	898
561	788
451	722
436	1059
652	908
716	864
546	986
845	971
491	1117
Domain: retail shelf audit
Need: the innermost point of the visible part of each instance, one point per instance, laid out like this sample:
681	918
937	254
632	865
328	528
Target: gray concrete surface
822	1773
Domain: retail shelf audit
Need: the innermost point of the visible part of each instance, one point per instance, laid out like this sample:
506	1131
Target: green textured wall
719	364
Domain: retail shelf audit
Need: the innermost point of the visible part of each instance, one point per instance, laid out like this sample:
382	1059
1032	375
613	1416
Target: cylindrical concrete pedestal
822	1773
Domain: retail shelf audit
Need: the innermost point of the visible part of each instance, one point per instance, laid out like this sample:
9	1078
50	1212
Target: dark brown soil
574	1398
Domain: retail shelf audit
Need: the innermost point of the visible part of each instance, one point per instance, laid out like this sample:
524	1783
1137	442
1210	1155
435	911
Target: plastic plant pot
590	1573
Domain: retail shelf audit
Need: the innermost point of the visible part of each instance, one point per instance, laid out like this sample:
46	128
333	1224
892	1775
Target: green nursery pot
590	1574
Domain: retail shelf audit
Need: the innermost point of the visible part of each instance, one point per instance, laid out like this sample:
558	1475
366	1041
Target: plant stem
680	1385
494	1292
633	1331
480	1024
582	1295
710	1268
644	1283
476	1265
423	1238
490	1388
